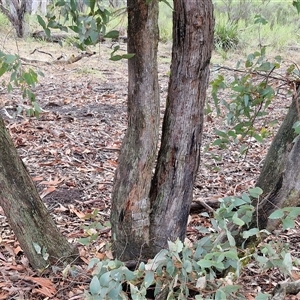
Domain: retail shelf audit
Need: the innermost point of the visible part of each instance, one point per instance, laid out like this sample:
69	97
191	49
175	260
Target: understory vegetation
208	269
236	29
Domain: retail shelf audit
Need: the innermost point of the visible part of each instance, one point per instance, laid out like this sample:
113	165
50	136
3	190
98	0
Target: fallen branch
62	60
199	205
57	37
285	288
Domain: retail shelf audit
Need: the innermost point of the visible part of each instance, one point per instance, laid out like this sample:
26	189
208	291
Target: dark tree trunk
130	197
179	155
280	175
138	230
279	178
25	211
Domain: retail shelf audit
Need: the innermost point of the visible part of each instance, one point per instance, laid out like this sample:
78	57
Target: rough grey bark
130	203
280	175
25	211
138	230
179	155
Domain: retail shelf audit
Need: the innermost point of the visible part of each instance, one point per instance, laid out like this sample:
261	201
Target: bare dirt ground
71	152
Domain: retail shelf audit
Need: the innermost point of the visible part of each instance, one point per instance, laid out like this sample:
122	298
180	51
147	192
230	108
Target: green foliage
21	78
278	33
88	25
117	57
287	215
250	95
296	4
4	22
226	36
174	269
165	22
181	269
94	227
275	254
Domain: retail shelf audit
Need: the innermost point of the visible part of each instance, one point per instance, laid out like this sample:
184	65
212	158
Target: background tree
15	11
26	213
280	176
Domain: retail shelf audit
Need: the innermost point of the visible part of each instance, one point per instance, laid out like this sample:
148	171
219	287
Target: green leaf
187	265
243	149
170	267
221	133
204	263
249	233
142	267
296	127
91	4
47	31
288	262
231	254
220	295
265	67
129	275
288	223
294	212
3	69
296	4
236	220
277	214
217	142
167	3
230	238
261	296
84	241
246	100
246	198
41	22
116	57
95	286
255	192
128	55
258	137
114	34
228	289
260	20
105	279
114	292
219	265
9	58
177	246
149	278
160	258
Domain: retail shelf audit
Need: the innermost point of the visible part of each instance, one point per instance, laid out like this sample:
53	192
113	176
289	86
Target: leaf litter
71	152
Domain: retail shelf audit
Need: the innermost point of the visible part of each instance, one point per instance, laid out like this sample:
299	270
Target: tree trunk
15	11
179	155
138	230
130	196
280	175
25	211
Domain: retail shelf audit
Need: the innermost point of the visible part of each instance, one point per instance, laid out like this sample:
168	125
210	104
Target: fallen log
57	37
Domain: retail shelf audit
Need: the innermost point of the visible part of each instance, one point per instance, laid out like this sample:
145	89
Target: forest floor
71	151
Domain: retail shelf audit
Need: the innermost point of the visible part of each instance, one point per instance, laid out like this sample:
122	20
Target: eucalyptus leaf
95	286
